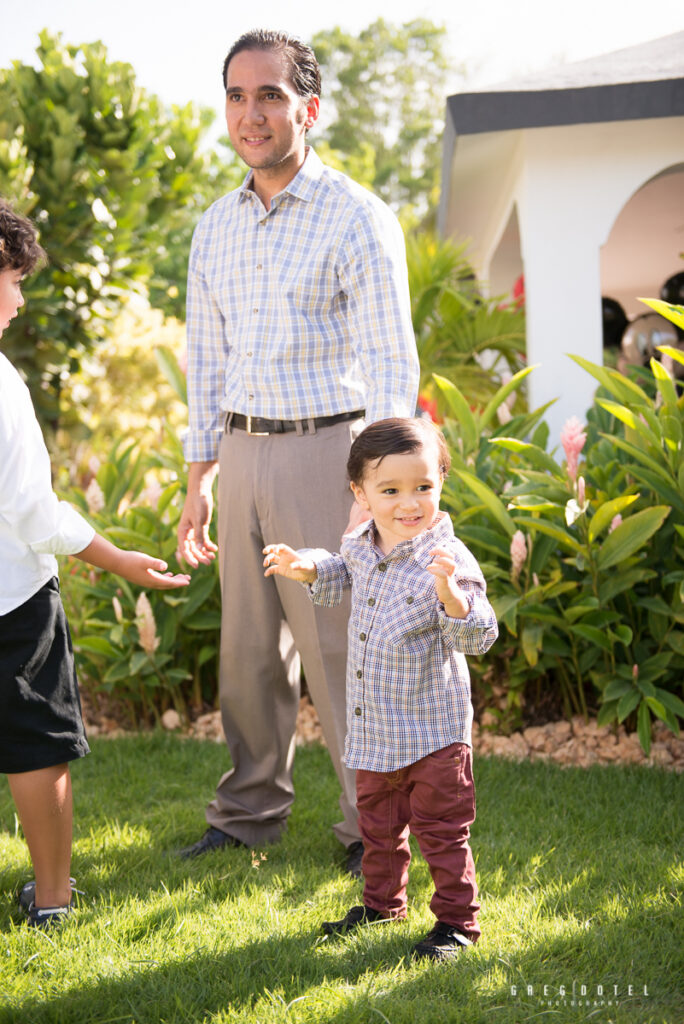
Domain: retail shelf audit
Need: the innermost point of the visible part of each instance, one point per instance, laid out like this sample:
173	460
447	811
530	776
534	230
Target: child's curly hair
19	248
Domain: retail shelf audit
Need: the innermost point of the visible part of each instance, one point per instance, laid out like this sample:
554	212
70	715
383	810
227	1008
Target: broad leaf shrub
583	558
156	649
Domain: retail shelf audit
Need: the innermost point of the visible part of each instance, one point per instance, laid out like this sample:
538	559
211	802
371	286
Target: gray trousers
291	489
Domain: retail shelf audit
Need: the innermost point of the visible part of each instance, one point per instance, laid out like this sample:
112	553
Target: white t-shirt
34	524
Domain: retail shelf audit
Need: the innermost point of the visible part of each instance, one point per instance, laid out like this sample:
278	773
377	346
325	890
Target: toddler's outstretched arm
282	560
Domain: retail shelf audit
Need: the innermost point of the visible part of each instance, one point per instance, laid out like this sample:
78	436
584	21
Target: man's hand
443	568
281	560
194	544
357	516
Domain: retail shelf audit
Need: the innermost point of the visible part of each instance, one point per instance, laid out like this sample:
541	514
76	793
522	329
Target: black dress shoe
213	839
354	858
353	919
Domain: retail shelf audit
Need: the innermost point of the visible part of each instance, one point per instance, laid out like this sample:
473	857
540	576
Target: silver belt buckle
255	433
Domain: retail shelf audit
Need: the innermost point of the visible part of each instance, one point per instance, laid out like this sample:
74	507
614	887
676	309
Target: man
298	324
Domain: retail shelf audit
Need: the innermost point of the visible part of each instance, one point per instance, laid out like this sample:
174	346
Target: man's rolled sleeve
375	279
332	578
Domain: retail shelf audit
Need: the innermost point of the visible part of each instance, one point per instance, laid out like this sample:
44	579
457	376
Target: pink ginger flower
573	439
94	497
518	553
118	610
147	627
615	522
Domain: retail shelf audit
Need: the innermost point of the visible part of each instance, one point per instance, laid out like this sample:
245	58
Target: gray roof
638	82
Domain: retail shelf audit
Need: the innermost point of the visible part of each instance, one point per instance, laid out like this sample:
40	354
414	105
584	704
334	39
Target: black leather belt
260	426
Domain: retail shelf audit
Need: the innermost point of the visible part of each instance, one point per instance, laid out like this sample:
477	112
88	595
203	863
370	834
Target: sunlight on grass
235	937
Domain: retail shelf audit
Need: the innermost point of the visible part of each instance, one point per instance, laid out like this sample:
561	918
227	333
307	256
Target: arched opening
506	265
645	243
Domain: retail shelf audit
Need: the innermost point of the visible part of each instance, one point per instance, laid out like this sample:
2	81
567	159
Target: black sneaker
47	917
27	894
444	942
352	919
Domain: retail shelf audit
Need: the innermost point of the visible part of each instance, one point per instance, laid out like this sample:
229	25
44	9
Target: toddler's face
402	494
11	298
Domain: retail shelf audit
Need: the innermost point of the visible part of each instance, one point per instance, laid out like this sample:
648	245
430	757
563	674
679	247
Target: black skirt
40	709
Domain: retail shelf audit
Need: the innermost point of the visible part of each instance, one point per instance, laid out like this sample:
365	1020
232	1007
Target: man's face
11	298
266	118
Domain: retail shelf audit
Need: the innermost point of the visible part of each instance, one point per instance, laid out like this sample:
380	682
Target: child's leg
44	804
383	806
442	810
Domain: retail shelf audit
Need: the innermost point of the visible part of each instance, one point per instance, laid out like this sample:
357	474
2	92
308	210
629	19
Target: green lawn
581	883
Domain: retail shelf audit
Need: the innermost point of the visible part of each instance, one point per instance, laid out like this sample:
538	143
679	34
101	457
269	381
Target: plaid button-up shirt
408	685
299	311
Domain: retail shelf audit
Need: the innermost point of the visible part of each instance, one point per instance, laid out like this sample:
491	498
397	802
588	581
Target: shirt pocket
410	619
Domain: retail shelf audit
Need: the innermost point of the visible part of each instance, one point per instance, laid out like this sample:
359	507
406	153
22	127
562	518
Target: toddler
418	607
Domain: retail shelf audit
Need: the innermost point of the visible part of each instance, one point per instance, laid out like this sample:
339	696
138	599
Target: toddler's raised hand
443	568
281	560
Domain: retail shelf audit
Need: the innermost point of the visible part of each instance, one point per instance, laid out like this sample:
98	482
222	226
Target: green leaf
593	635
606	713
96	645
204	620
605	514
644	727
531	641
168	364
631	535
542	526
663	382
461	410
623	634
617	688
671	701
631	420
537	456
489	499
627	704
503	393
139	660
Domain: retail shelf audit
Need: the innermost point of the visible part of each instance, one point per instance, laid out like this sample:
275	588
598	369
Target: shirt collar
302	186
419	548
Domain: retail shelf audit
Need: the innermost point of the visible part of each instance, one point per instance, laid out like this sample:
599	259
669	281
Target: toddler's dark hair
394	436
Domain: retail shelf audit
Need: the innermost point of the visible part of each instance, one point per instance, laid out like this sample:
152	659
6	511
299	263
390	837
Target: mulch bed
567	743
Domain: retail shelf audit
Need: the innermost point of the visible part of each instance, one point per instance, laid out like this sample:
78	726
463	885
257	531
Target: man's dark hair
394	437
305	73
19	248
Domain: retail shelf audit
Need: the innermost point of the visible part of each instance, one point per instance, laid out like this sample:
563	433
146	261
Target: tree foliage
387	89
109	176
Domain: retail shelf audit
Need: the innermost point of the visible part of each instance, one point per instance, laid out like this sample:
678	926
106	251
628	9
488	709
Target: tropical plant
460	335
152	650
583	562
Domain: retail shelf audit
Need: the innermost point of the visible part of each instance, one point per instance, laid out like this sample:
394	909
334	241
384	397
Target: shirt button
255	310
382	566
249	354
357	711
358	673
258	266
251	397
362	636
409	600
371	601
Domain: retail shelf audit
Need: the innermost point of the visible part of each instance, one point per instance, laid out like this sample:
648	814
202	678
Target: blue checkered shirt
299	311
408	685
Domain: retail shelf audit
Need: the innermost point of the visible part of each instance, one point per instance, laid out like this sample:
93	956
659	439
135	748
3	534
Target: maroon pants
434	799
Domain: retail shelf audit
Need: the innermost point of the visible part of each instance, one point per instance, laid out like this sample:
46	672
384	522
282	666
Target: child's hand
443	567
149	572
281	560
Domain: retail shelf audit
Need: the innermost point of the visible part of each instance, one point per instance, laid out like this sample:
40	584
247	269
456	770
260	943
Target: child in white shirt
41	728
